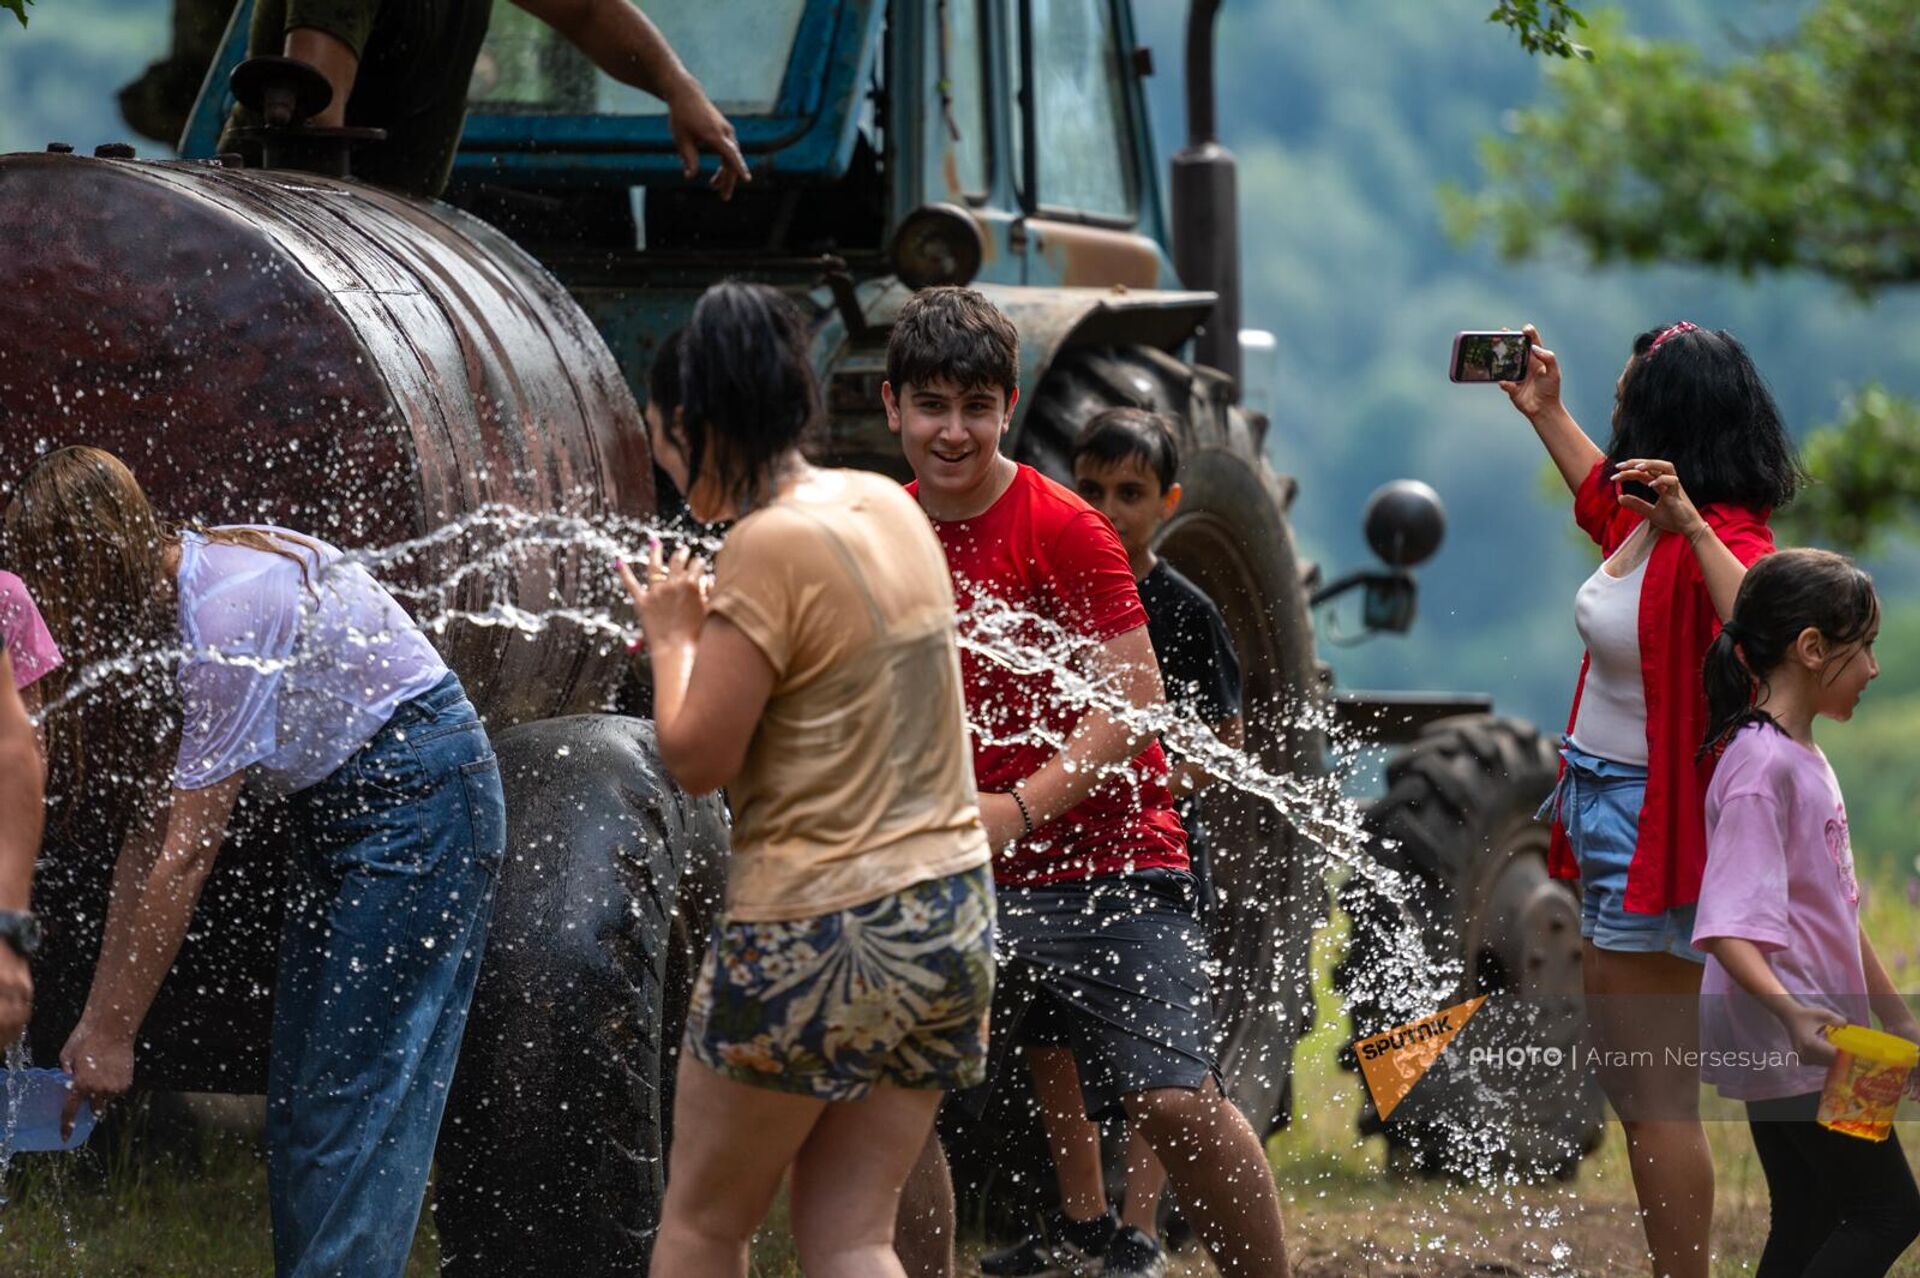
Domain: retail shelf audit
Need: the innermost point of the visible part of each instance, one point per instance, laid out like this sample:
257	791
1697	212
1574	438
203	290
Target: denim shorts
1598	801
894	991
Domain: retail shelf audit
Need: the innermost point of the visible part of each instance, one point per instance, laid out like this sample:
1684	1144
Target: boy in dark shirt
1124	463
1096	923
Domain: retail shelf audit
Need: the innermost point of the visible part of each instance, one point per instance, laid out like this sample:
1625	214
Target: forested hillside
1348	119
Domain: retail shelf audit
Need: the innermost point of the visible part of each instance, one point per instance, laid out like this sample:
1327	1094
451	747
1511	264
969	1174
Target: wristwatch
21	930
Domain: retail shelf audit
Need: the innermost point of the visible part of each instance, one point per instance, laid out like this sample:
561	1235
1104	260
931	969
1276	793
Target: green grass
109	1213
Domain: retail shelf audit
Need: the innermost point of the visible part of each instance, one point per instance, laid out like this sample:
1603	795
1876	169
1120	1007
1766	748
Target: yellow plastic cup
1865	1081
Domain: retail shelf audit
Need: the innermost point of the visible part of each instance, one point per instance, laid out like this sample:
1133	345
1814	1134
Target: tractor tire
1457	830
552	1157
1231	537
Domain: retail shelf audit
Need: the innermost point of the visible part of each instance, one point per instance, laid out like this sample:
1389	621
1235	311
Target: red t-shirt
1039	549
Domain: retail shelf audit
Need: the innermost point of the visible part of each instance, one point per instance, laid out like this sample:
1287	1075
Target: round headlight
937	244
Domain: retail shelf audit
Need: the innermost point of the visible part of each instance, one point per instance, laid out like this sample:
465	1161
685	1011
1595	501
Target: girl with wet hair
1678	504
1779	915
815	676
257	656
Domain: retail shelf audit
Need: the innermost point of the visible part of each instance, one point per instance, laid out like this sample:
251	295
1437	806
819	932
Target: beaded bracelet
1026	817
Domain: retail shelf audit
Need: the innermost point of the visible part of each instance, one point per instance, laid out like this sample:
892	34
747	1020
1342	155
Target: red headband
1682	327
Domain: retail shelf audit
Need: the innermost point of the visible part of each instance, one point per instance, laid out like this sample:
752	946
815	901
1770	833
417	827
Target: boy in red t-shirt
1097	928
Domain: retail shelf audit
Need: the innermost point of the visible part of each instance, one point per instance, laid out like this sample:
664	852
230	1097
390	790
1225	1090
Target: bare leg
847	1182
1221	1174
1146	1181
924	1225
1649	1003
1073	1136
732	1144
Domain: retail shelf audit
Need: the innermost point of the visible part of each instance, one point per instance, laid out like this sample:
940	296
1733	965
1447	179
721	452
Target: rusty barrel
283	348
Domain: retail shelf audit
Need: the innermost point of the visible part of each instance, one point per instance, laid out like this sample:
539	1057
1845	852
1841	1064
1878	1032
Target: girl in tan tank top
815	676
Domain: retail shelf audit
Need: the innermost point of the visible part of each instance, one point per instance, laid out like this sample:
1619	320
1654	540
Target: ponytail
1733	690
1783	596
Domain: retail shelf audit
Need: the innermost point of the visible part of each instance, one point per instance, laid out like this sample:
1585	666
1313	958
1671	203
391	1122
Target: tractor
285	343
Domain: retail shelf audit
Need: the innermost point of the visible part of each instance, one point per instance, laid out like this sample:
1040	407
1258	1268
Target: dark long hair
663	379
1783	595
747	388
1698	401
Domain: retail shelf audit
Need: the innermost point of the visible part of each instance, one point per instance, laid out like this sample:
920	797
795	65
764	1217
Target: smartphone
1490	357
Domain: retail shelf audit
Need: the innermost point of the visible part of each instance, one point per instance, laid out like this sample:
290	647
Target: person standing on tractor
404	66
1098	930
1124	463
1693	422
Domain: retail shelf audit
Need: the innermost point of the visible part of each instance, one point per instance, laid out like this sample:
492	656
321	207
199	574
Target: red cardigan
1677	623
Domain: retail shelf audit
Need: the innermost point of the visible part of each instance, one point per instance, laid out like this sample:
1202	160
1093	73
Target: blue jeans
1599	801
389	896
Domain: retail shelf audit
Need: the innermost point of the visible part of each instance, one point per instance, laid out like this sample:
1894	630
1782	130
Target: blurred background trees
1801	154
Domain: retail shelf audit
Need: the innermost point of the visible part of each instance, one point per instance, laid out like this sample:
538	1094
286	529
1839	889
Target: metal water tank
284	348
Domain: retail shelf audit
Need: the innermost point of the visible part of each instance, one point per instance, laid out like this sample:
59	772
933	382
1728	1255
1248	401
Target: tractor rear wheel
1456	828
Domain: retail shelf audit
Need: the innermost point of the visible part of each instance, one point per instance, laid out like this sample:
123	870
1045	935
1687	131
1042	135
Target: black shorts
1113	970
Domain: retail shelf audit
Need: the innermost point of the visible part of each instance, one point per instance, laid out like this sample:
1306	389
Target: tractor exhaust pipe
1206	218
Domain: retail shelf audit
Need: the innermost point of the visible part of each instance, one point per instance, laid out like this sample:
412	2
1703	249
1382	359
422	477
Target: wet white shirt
291	670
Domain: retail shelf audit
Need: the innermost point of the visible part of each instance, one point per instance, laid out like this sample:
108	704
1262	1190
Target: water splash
486	551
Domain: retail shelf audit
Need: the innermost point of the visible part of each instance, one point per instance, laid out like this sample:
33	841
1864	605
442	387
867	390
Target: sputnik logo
1394	1060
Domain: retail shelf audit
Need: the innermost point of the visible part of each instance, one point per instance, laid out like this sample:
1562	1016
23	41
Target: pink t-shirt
1779	874
28	643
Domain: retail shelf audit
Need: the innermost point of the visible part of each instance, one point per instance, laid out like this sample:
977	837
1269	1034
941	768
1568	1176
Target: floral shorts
895	991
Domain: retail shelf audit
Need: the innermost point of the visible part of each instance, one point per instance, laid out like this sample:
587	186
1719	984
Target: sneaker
1132	1254
1064	1249
1029	1258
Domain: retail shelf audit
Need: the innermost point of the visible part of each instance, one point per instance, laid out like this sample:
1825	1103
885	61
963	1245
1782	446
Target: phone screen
1490	357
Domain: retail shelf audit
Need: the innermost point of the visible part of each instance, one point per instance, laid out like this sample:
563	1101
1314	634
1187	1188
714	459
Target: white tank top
1612	722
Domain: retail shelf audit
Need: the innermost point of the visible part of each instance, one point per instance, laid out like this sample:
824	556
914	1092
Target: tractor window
739	53
1082	160
964	94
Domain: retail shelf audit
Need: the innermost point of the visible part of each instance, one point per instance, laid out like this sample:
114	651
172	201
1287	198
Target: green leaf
1799	155
1543	32
18	8
1863	472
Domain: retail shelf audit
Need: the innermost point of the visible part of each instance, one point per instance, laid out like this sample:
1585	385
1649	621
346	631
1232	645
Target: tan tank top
858	781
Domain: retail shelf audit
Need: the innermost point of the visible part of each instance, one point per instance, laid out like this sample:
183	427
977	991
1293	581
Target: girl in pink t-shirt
1779	915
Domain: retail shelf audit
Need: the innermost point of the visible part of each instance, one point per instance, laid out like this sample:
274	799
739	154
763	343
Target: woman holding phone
1678	504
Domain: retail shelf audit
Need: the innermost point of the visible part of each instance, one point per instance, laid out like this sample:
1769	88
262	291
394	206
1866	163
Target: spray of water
437	574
